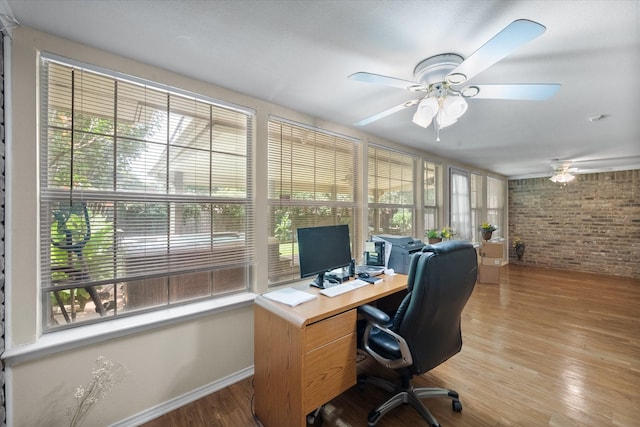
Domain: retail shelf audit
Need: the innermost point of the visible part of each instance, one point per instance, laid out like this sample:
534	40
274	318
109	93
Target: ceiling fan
562	172
441	77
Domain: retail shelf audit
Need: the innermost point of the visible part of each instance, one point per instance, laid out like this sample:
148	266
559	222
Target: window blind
391	187
312	182
146	195
432	198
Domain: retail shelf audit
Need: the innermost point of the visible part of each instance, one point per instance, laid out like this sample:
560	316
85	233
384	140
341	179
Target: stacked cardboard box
491	259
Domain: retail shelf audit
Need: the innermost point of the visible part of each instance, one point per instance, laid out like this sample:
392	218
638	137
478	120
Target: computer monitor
322	249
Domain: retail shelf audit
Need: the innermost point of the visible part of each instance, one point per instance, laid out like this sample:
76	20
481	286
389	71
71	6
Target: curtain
460	212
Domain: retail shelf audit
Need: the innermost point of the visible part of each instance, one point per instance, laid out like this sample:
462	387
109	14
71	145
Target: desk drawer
331	329
328	371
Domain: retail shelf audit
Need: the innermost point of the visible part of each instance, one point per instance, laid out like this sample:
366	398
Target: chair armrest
379	320
373	314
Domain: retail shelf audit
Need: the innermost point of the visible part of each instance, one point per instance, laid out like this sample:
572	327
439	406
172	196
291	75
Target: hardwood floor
543	348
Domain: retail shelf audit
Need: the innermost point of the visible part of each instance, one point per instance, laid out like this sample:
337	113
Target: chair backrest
441	279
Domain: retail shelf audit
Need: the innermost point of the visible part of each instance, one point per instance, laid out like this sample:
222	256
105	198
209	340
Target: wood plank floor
543	348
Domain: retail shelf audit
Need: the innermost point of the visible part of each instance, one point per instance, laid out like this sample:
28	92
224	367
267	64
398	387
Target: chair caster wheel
373	418
456	405
314	419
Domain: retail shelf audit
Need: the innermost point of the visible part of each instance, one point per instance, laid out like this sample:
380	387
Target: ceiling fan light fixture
562	177
451	109
426	111
446	110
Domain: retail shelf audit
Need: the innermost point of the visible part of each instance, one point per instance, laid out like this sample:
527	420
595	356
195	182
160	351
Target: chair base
407	394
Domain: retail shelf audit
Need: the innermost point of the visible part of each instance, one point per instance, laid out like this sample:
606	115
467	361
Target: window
146	196
476	206
495	204
431	195
460	214
312	182
391	192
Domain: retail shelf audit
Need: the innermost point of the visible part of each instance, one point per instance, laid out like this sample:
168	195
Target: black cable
253	410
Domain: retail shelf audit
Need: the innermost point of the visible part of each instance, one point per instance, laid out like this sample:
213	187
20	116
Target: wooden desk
304	356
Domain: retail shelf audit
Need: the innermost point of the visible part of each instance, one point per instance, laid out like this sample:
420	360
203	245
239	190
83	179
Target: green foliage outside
283	227
94	151
81	235
402	220
285	221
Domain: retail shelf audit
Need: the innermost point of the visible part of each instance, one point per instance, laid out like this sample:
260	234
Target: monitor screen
322	249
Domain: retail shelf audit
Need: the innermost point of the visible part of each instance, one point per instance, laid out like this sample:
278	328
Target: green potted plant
436	235
433	236
487	230
447	232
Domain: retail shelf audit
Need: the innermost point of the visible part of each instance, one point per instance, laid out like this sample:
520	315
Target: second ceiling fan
441	79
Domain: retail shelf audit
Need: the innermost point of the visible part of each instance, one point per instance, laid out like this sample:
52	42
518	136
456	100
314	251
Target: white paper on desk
290	296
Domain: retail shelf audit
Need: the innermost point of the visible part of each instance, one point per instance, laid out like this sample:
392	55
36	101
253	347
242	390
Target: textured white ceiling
299	53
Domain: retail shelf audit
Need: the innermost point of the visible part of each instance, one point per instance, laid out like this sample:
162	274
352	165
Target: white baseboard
185	399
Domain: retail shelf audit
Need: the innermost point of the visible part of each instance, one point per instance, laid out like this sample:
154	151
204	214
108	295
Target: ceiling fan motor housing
436	68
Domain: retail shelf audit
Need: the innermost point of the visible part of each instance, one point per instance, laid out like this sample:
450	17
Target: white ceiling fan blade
386	113
525	92
502	44
385	80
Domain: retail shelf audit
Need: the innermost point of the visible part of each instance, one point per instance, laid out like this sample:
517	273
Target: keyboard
344	287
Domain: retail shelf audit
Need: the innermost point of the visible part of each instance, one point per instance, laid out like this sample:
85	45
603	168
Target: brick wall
591	224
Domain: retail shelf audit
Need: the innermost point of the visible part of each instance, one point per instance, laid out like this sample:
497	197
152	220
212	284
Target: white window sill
68	339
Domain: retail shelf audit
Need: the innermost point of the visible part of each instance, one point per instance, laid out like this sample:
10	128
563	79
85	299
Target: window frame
496	203
434	209
477	205
407	202
289	140
49	194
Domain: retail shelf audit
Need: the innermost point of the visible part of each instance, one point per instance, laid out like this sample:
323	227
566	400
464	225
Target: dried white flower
105	375
79	393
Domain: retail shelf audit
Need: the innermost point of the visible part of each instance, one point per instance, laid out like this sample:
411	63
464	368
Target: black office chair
425	330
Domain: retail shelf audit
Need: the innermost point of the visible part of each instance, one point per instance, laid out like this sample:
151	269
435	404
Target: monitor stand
326	280
318	282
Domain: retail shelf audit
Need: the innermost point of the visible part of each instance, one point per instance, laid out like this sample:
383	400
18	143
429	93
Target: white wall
166	361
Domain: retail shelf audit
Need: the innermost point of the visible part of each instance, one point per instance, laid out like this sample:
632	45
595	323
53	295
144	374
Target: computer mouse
363	275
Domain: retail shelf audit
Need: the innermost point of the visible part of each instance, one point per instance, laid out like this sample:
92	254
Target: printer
402	247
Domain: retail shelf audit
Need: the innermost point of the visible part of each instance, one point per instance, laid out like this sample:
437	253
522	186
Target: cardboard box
491	261
492	250
489	274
